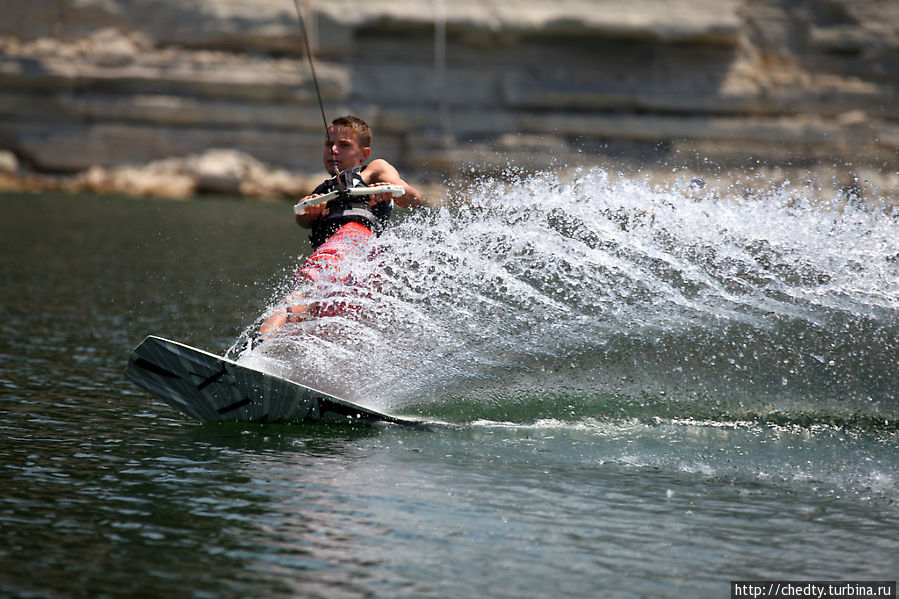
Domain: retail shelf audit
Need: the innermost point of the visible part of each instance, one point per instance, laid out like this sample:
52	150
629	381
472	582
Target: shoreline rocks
222	172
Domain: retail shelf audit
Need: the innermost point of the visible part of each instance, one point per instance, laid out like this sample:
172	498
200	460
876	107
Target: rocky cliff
91	88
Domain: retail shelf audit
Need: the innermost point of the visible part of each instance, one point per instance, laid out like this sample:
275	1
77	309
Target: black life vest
348	209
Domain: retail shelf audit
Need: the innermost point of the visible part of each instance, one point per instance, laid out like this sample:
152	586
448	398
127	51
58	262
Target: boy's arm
381	171
311	213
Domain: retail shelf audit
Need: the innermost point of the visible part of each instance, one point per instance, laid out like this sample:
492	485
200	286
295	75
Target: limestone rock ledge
93	92
220	171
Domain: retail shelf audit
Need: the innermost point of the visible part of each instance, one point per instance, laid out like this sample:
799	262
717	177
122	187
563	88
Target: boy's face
344	148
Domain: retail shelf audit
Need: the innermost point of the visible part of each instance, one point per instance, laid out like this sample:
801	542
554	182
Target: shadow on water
308	438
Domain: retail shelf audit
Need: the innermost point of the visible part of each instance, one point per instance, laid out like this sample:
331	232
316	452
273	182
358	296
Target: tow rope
304	33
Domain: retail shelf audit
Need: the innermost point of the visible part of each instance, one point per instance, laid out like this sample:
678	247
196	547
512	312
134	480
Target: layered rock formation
91	88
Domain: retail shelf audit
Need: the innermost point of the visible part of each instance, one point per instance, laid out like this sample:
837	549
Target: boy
347	147
342	227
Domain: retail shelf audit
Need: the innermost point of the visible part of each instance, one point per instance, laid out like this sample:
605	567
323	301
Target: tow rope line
304	33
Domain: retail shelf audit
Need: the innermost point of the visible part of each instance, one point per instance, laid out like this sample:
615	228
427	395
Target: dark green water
669	481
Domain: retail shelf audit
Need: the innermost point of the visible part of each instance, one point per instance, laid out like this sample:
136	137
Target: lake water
651	395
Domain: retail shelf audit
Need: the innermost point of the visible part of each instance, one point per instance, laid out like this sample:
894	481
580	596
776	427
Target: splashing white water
600	284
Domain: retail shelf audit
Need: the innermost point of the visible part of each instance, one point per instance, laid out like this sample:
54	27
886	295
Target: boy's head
350	139
358	126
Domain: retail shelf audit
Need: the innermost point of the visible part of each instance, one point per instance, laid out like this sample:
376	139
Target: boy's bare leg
297	310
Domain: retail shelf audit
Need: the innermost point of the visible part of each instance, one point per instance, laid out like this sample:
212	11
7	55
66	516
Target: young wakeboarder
342	227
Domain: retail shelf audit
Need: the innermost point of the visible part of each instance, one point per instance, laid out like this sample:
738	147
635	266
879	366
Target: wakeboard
210	388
